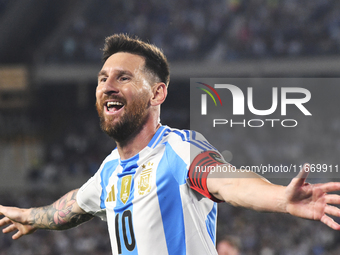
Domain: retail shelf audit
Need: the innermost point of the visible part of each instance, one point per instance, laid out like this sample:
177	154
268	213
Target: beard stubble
130	123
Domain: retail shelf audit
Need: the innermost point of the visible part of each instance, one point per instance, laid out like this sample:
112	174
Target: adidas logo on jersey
111	197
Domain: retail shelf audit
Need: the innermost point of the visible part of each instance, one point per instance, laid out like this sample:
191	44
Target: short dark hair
155	60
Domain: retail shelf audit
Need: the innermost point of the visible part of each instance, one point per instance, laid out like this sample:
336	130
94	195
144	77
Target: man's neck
138	142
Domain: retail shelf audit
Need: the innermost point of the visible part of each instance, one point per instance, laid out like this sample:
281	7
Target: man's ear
160	91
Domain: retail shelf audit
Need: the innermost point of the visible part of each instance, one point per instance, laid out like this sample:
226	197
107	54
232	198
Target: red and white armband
199	170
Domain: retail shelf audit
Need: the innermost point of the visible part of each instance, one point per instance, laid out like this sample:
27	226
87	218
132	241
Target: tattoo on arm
62	214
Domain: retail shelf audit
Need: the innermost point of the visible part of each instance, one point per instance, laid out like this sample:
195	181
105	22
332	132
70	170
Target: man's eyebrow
102	72
122	72
119	72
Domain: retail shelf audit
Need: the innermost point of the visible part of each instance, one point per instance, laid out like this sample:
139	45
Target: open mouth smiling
113	107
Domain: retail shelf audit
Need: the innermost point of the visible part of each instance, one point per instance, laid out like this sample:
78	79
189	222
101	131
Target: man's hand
312	201
64	213
15	219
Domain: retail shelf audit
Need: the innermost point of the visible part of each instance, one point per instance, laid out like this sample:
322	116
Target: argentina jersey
147	202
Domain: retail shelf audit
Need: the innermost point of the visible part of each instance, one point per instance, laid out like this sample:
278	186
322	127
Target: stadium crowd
221	30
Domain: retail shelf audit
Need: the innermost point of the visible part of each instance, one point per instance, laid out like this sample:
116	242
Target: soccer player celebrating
147	189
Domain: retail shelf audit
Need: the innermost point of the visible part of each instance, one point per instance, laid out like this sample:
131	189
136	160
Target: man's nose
111	86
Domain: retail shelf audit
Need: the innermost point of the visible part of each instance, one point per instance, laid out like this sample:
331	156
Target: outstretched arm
65	213
310	201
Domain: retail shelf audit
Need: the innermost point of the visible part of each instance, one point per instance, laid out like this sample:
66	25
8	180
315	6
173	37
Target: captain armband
199	170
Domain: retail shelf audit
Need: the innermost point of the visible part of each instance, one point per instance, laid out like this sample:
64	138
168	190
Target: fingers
332	210
5	221
329	187
330	222
332	199
300	179
17	235
303	174
9	229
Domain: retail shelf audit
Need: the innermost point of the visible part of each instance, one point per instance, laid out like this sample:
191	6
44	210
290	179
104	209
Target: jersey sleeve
203	156
199	170
88	197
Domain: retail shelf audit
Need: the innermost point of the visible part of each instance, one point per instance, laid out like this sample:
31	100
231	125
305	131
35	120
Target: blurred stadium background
50	141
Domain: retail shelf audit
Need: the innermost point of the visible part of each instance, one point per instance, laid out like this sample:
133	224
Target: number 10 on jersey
124	222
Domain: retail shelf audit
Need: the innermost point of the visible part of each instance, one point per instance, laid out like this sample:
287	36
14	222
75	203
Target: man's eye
103	79
124	78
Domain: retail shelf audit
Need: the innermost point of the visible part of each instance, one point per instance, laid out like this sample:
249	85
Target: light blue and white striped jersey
147	202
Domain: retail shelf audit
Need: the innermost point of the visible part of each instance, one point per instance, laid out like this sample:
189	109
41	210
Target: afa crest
144	184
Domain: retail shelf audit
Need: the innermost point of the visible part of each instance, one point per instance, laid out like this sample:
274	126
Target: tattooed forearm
62	214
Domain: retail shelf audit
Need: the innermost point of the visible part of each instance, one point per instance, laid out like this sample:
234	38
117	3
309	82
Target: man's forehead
124	60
